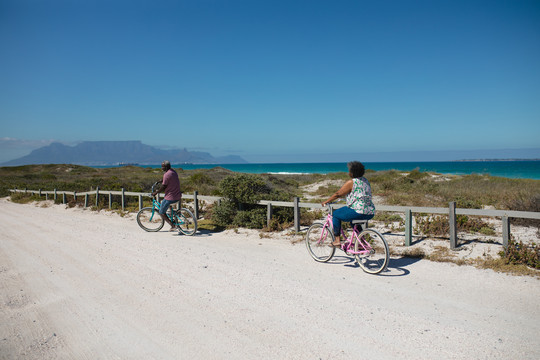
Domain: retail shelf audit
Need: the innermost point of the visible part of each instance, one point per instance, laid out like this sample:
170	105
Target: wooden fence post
505	231
408	227
140	202
296	214
123	199
39	193
85	200
97	197
75	197
196	204
453	225
269	211
110	201
64	198
55	195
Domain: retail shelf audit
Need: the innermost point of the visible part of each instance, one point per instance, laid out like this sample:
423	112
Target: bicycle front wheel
149	219
186	222
371	251
318	241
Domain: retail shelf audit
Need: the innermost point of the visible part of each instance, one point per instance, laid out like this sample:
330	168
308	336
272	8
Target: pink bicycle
368	246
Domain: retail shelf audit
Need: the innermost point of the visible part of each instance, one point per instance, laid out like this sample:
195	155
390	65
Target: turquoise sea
510	169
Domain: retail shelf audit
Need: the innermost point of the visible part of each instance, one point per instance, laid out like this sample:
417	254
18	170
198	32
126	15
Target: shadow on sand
395	267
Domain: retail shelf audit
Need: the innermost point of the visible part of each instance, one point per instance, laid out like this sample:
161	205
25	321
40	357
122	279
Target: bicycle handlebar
154	185
329	207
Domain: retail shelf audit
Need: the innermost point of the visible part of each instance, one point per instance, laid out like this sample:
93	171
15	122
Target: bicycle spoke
149	219
318	239
371	251
185	221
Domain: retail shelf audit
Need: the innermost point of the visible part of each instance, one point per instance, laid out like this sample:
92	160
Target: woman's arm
344	191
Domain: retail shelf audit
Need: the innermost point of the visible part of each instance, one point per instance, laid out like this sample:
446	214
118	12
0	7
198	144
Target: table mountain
96	153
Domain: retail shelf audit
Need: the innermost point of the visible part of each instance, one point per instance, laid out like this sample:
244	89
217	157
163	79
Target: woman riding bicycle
359	201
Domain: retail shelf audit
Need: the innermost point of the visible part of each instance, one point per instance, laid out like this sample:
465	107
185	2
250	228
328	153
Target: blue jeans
165	205
346	214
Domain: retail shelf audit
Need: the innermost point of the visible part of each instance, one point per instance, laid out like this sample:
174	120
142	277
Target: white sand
77	284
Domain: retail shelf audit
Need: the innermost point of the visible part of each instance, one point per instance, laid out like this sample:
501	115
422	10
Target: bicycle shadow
199	233
395	267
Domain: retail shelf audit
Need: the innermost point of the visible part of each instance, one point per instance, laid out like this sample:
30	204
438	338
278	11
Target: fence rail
408	211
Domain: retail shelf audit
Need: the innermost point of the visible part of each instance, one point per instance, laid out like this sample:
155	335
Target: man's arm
161	188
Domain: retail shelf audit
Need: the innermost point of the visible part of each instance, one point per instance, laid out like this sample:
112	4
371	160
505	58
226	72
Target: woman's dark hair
356	169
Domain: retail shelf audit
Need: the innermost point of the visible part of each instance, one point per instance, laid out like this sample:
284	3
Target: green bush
252	219
519	253
241	192
224	213
243	188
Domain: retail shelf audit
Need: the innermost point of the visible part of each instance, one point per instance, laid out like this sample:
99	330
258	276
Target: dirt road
77	284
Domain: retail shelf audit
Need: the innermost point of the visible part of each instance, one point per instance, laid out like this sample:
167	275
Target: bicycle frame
367	245
348	245
156	205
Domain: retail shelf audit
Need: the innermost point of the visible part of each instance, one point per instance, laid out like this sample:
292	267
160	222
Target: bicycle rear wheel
318	240
375	253
186	222
149	219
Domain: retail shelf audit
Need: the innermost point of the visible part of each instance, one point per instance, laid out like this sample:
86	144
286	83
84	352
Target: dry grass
500	265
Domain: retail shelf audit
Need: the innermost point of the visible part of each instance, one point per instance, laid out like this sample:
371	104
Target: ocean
527	169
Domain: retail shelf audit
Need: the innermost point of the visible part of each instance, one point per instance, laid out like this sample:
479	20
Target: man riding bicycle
171	186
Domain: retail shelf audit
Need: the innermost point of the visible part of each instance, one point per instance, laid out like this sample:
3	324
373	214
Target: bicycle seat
363	223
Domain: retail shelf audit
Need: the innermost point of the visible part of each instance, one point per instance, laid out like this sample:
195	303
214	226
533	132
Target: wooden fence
408	211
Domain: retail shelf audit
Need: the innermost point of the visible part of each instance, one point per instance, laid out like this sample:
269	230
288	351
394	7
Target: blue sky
272	80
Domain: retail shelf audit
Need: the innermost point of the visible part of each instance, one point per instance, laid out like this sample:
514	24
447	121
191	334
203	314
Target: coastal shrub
224	213
308	217
24	198
432	225
241	192
326	191
416	175
387	217
525	202
438	225
200	182
276	225
252	219
243	188
519	253
390	219
465	203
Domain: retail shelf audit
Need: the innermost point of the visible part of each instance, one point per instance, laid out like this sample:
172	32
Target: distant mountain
96	153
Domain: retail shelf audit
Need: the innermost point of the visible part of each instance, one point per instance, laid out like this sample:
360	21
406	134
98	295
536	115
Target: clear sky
276	80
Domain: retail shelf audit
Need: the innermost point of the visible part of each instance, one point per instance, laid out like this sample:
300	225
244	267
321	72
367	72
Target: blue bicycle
149	219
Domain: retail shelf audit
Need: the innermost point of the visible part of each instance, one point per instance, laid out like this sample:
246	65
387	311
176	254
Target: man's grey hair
166	163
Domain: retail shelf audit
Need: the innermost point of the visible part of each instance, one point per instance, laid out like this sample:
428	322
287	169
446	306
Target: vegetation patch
438	225
241	192
519	253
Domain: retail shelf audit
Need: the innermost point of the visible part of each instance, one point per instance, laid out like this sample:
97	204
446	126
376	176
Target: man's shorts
165	205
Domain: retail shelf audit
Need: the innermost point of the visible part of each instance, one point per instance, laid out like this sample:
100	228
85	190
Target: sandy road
76	284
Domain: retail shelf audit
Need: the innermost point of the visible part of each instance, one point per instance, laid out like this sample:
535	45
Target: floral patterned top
359	199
